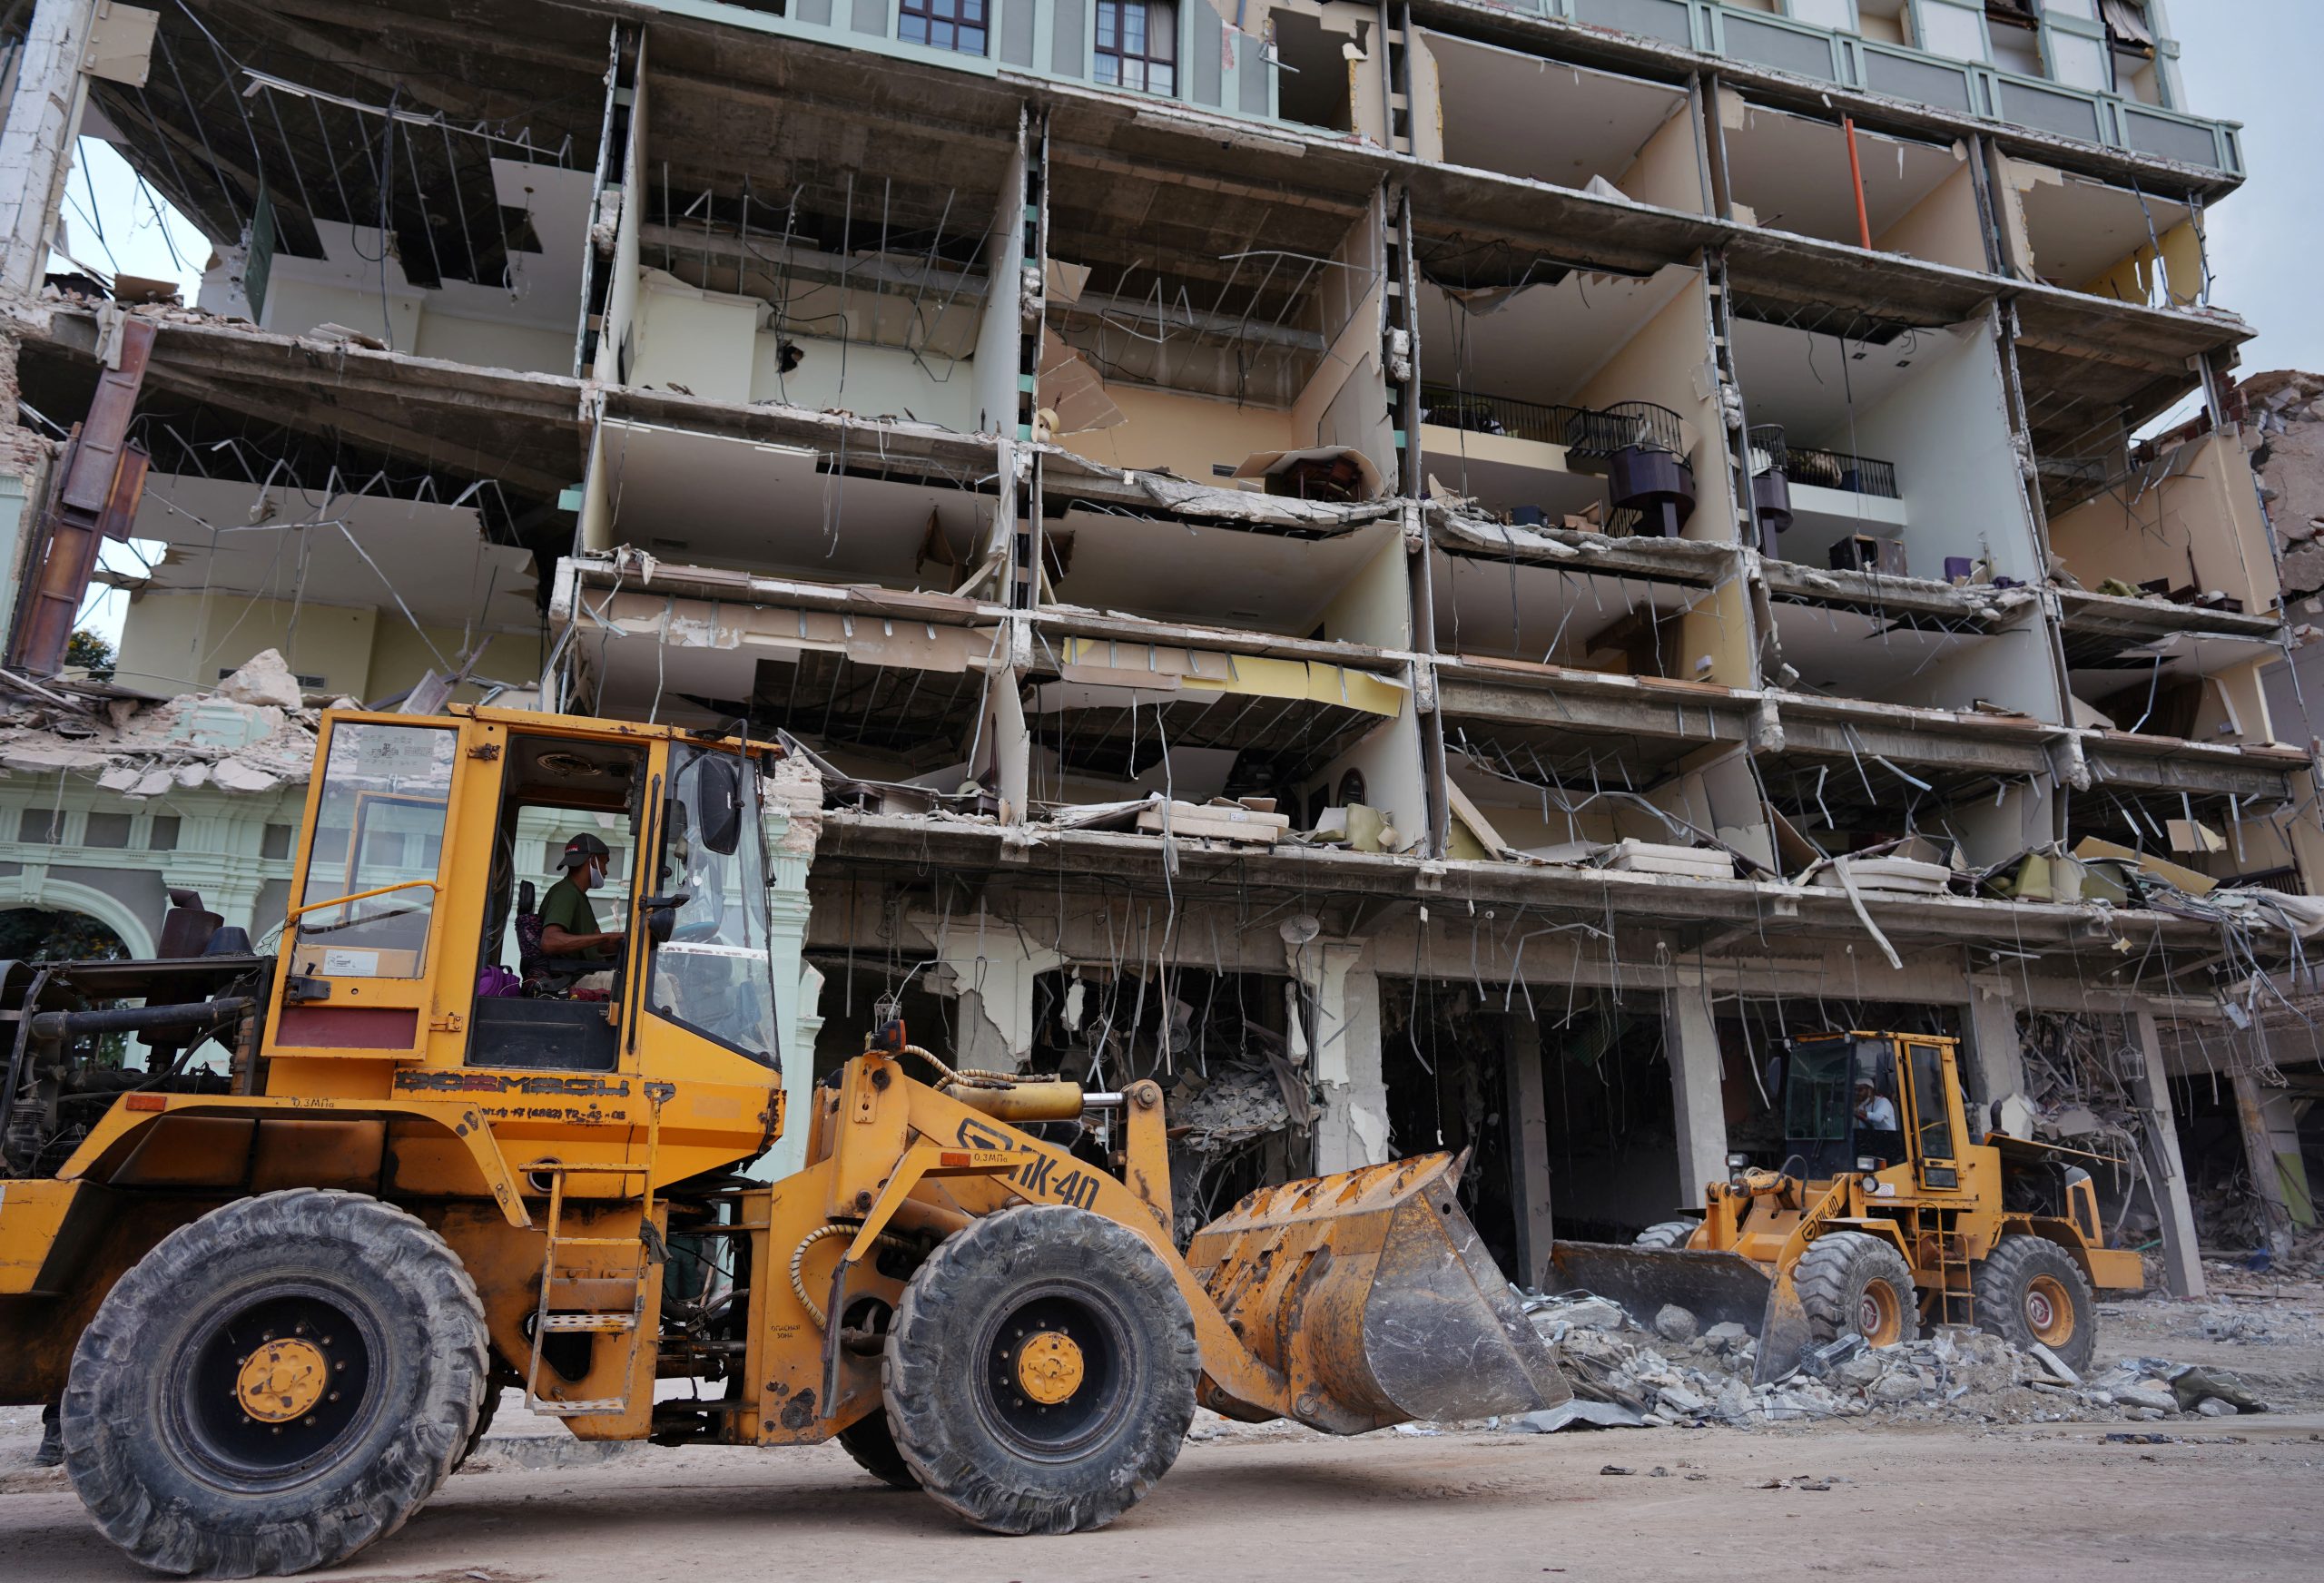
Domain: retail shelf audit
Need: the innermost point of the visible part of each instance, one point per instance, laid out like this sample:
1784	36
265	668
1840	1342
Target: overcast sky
2257	62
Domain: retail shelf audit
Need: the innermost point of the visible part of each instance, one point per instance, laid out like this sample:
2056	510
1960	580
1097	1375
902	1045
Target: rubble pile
2286	433
251	734
1675	1373
1234	1102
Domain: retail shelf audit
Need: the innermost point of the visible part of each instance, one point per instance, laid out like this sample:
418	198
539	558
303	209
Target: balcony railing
1771	452
1583	431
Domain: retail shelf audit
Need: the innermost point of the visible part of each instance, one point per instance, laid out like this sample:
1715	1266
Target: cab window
378	827
1932	1118
712	967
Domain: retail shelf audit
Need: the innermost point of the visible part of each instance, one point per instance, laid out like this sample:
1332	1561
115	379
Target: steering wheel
695	933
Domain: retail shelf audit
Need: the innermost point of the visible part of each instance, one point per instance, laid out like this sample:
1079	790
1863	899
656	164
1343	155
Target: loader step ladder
1956	1301
558	1273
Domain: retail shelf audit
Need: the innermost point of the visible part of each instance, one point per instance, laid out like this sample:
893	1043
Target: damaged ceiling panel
346	110
719	500
228	538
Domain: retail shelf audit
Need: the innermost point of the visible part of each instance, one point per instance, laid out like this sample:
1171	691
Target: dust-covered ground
2020	1477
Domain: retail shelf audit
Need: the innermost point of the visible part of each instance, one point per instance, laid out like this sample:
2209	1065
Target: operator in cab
1873	1111
568	923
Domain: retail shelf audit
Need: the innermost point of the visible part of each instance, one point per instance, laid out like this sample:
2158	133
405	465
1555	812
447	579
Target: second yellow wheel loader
274	1274
1885	1212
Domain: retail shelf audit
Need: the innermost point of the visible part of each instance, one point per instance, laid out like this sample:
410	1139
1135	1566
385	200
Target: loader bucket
1372	1296
1716	1288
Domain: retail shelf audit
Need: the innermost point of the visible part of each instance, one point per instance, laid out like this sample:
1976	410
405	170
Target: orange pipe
1856	175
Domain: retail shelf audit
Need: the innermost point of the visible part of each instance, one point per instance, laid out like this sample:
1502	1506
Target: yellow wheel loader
1886	1213
456	1136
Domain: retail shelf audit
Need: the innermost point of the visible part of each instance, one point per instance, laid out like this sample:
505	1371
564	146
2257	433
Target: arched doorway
56	934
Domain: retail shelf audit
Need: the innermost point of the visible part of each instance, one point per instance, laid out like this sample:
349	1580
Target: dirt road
2054	1501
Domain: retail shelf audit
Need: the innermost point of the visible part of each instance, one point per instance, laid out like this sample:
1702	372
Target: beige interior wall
1188	435
400	658
1428	101
485	344
2210	513
596	524
1376	607
701	340
1667	172
2234	707
1523	826
1389	758
295	307
1717	628
1669	362
1350	301
1882	29
1944	227
178	643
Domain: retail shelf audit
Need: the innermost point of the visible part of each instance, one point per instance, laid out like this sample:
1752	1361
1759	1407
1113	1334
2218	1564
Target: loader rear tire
1852	1283
1670	1234
2029	1290
1041	1370
872	1444
275	1386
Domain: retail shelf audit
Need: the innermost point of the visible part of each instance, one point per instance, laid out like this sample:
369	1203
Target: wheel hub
283	1379
1049	1368
2048	1312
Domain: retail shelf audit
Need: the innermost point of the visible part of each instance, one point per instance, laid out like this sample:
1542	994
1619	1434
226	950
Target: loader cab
1915	1075
1822	1136
425	840
536	1011
686	885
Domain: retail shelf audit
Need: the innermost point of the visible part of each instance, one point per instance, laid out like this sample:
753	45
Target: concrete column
1690	1037
2257	1110
1995	1065
1526	1112
1353	1128
2182	1262
36	139
989	965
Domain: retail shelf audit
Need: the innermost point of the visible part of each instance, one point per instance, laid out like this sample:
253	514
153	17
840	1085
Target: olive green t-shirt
567	906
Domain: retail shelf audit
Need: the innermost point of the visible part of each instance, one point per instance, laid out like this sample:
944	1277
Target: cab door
1934	1132
364	939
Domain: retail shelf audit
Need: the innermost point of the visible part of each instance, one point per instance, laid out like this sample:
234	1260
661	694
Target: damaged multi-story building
1435	573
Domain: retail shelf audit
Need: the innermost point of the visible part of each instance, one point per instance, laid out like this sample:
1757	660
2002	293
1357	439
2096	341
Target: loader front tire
275	1386
1670	1234
1852	1283
2029	1290
1039	1374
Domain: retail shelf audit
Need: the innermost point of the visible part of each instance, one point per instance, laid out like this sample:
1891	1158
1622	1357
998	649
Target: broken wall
2192	518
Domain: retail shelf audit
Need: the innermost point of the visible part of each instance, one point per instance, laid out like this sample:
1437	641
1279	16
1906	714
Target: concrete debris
1576	1413
1954	1374
251	735
1228	1107
1675	1324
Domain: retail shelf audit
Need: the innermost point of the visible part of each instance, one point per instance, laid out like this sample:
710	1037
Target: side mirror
718	799
662	915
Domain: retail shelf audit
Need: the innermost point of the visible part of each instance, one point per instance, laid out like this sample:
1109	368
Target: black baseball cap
581	849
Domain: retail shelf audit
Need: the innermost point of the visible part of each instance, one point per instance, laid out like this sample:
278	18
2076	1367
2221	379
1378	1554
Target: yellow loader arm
1349	1302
